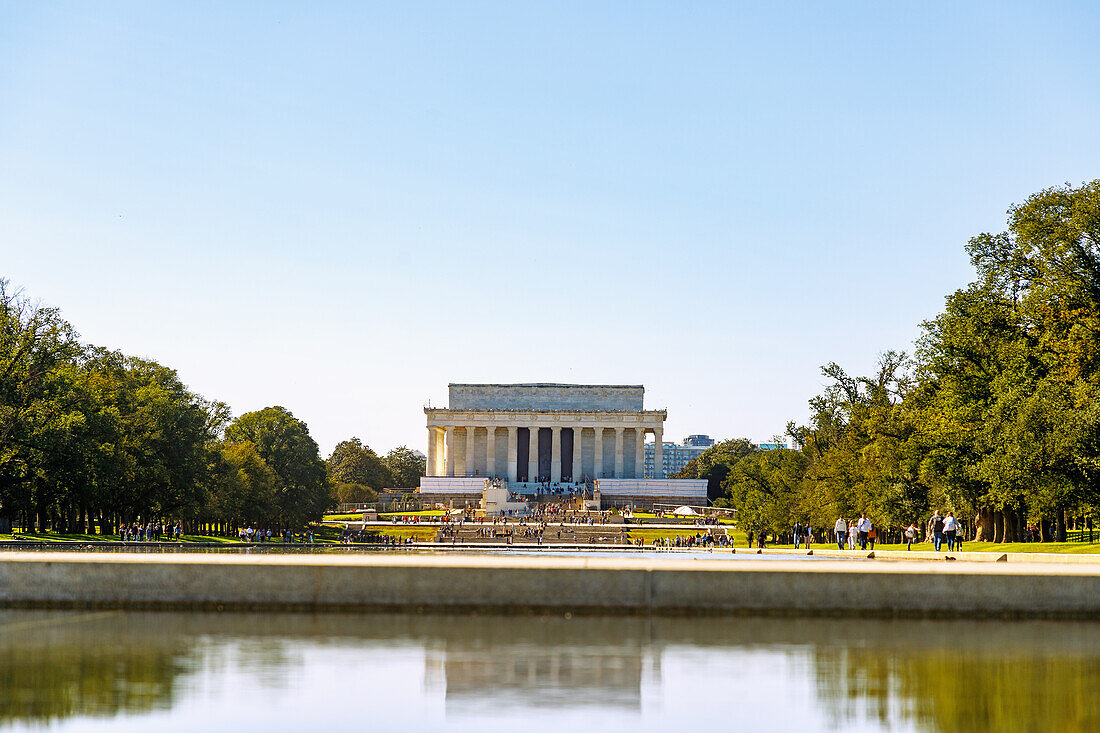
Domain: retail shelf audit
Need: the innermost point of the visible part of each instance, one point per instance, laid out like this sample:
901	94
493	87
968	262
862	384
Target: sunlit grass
1075	548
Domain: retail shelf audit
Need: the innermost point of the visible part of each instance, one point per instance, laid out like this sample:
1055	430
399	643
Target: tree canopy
90	436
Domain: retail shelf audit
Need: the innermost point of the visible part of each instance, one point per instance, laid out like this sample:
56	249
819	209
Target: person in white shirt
853	534
950	530
841	530
864	530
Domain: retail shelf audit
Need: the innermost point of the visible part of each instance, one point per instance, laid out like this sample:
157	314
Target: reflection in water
50	669
968	676
141	671
542	662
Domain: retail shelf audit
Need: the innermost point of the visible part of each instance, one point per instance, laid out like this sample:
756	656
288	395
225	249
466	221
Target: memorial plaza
507	447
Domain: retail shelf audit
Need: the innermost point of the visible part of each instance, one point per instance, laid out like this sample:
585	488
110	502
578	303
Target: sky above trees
340	209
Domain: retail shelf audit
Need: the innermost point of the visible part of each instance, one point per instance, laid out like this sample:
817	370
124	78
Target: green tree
152	436
764	487
715	463
355	494
302	491
1012	368
37	350
352	462
405	466
242	486
862	448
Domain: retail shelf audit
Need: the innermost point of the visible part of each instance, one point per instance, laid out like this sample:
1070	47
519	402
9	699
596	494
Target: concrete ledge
1055	558
581	584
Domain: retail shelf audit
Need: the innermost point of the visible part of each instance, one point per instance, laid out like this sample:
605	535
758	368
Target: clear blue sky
340	208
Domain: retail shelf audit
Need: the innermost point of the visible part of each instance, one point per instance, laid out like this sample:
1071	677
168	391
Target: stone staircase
554	533
527	534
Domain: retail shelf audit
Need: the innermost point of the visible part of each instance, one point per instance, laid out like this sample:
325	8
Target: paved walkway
636	583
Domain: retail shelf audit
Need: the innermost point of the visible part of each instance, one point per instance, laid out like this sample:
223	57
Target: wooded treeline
91	438
994	415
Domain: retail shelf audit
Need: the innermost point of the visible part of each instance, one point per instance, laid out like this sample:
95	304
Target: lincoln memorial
548	439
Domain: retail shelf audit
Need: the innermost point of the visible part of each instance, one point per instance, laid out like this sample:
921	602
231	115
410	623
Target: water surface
127	671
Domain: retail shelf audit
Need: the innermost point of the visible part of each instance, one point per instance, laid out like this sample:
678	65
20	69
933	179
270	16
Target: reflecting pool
124	671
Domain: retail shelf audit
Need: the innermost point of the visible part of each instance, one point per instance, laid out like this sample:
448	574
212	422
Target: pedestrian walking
910	535
864	529
841	531
936	523
950	529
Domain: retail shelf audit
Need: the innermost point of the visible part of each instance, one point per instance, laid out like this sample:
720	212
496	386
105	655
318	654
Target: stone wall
557	584
451	485
686	491
596	397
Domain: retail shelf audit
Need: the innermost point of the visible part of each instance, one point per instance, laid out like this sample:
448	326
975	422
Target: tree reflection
50	668
1001	680
936	676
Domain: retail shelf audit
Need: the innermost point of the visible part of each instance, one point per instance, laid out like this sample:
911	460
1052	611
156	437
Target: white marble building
557	434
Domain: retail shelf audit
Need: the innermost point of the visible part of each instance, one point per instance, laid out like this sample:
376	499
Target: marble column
555	453
429	465
577	454
639	453
468	468
618	452
490	451
597	465
658	452
533	455
449	438
513	455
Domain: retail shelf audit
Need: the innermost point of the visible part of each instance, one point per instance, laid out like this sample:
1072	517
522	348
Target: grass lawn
647	534
319	535
358	516
419	534
650	517
49	536
423	513
1082	548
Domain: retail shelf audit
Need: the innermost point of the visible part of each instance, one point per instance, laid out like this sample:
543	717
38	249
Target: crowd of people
694	540
861	533
150	531
354	536
249	535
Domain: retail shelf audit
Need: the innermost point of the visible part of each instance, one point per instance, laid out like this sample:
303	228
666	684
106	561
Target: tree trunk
1060	515
1010	525
987	525
998	526
1044	529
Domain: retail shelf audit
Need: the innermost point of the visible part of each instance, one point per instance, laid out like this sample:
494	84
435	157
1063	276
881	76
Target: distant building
675	457
508	447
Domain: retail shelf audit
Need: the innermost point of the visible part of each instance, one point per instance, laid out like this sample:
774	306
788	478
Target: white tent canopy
685	511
